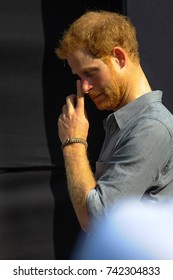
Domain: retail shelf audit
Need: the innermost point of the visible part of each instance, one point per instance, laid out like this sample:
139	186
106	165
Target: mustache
95	93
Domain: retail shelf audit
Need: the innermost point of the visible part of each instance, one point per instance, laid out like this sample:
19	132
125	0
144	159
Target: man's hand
73	121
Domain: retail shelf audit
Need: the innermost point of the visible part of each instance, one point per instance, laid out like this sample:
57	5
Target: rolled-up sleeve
135	164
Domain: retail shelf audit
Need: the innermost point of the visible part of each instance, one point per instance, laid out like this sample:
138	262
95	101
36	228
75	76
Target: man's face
103	83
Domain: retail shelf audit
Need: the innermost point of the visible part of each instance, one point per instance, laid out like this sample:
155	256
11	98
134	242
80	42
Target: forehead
83	59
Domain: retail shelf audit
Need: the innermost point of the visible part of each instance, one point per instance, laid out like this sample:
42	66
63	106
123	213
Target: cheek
103	79
100	82
113	87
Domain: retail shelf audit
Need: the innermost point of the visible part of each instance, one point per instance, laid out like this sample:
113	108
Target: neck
138	84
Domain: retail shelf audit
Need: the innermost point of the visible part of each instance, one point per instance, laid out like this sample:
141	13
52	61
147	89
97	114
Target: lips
98	97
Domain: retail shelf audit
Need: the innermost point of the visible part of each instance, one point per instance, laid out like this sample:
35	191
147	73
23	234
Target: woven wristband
70	141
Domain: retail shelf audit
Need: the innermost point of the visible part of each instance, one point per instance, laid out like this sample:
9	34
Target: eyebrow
88	69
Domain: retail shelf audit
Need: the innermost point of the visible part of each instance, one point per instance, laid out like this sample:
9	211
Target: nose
86	87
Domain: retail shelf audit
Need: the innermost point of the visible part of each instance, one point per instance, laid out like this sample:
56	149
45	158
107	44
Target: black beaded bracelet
70	141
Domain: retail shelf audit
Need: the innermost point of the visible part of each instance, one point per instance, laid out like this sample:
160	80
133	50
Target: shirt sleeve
135	165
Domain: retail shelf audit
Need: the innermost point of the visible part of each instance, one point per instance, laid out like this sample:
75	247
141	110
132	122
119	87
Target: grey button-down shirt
136	160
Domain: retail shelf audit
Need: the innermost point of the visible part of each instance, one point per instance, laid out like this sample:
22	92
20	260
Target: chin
107	107
102	107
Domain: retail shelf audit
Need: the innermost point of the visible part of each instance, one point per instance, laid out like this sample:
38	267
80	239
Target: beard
110	97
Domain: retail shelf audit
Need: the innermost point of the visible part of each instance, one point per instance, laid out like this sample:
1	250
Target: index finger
80	95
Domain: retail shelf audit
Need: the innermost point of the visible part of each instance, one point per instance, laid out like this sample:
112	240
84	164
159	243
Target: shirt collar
124	114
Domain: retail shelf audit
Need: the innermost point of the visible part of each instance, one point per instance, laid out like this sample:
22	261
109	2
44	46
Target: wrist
73	141
75	152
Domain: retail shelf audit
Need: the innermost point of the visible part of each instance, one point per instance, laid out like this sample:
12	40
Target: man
136	158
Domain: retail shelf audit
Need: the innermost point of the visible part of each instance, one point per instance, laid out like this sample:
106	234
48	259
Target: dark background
37	220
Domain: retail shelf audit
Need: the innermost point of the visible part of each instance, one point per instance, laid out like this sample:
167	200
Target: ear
120	56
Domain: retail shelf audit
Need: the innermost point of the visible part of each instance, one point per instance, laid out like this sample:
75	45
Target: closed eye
88	74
